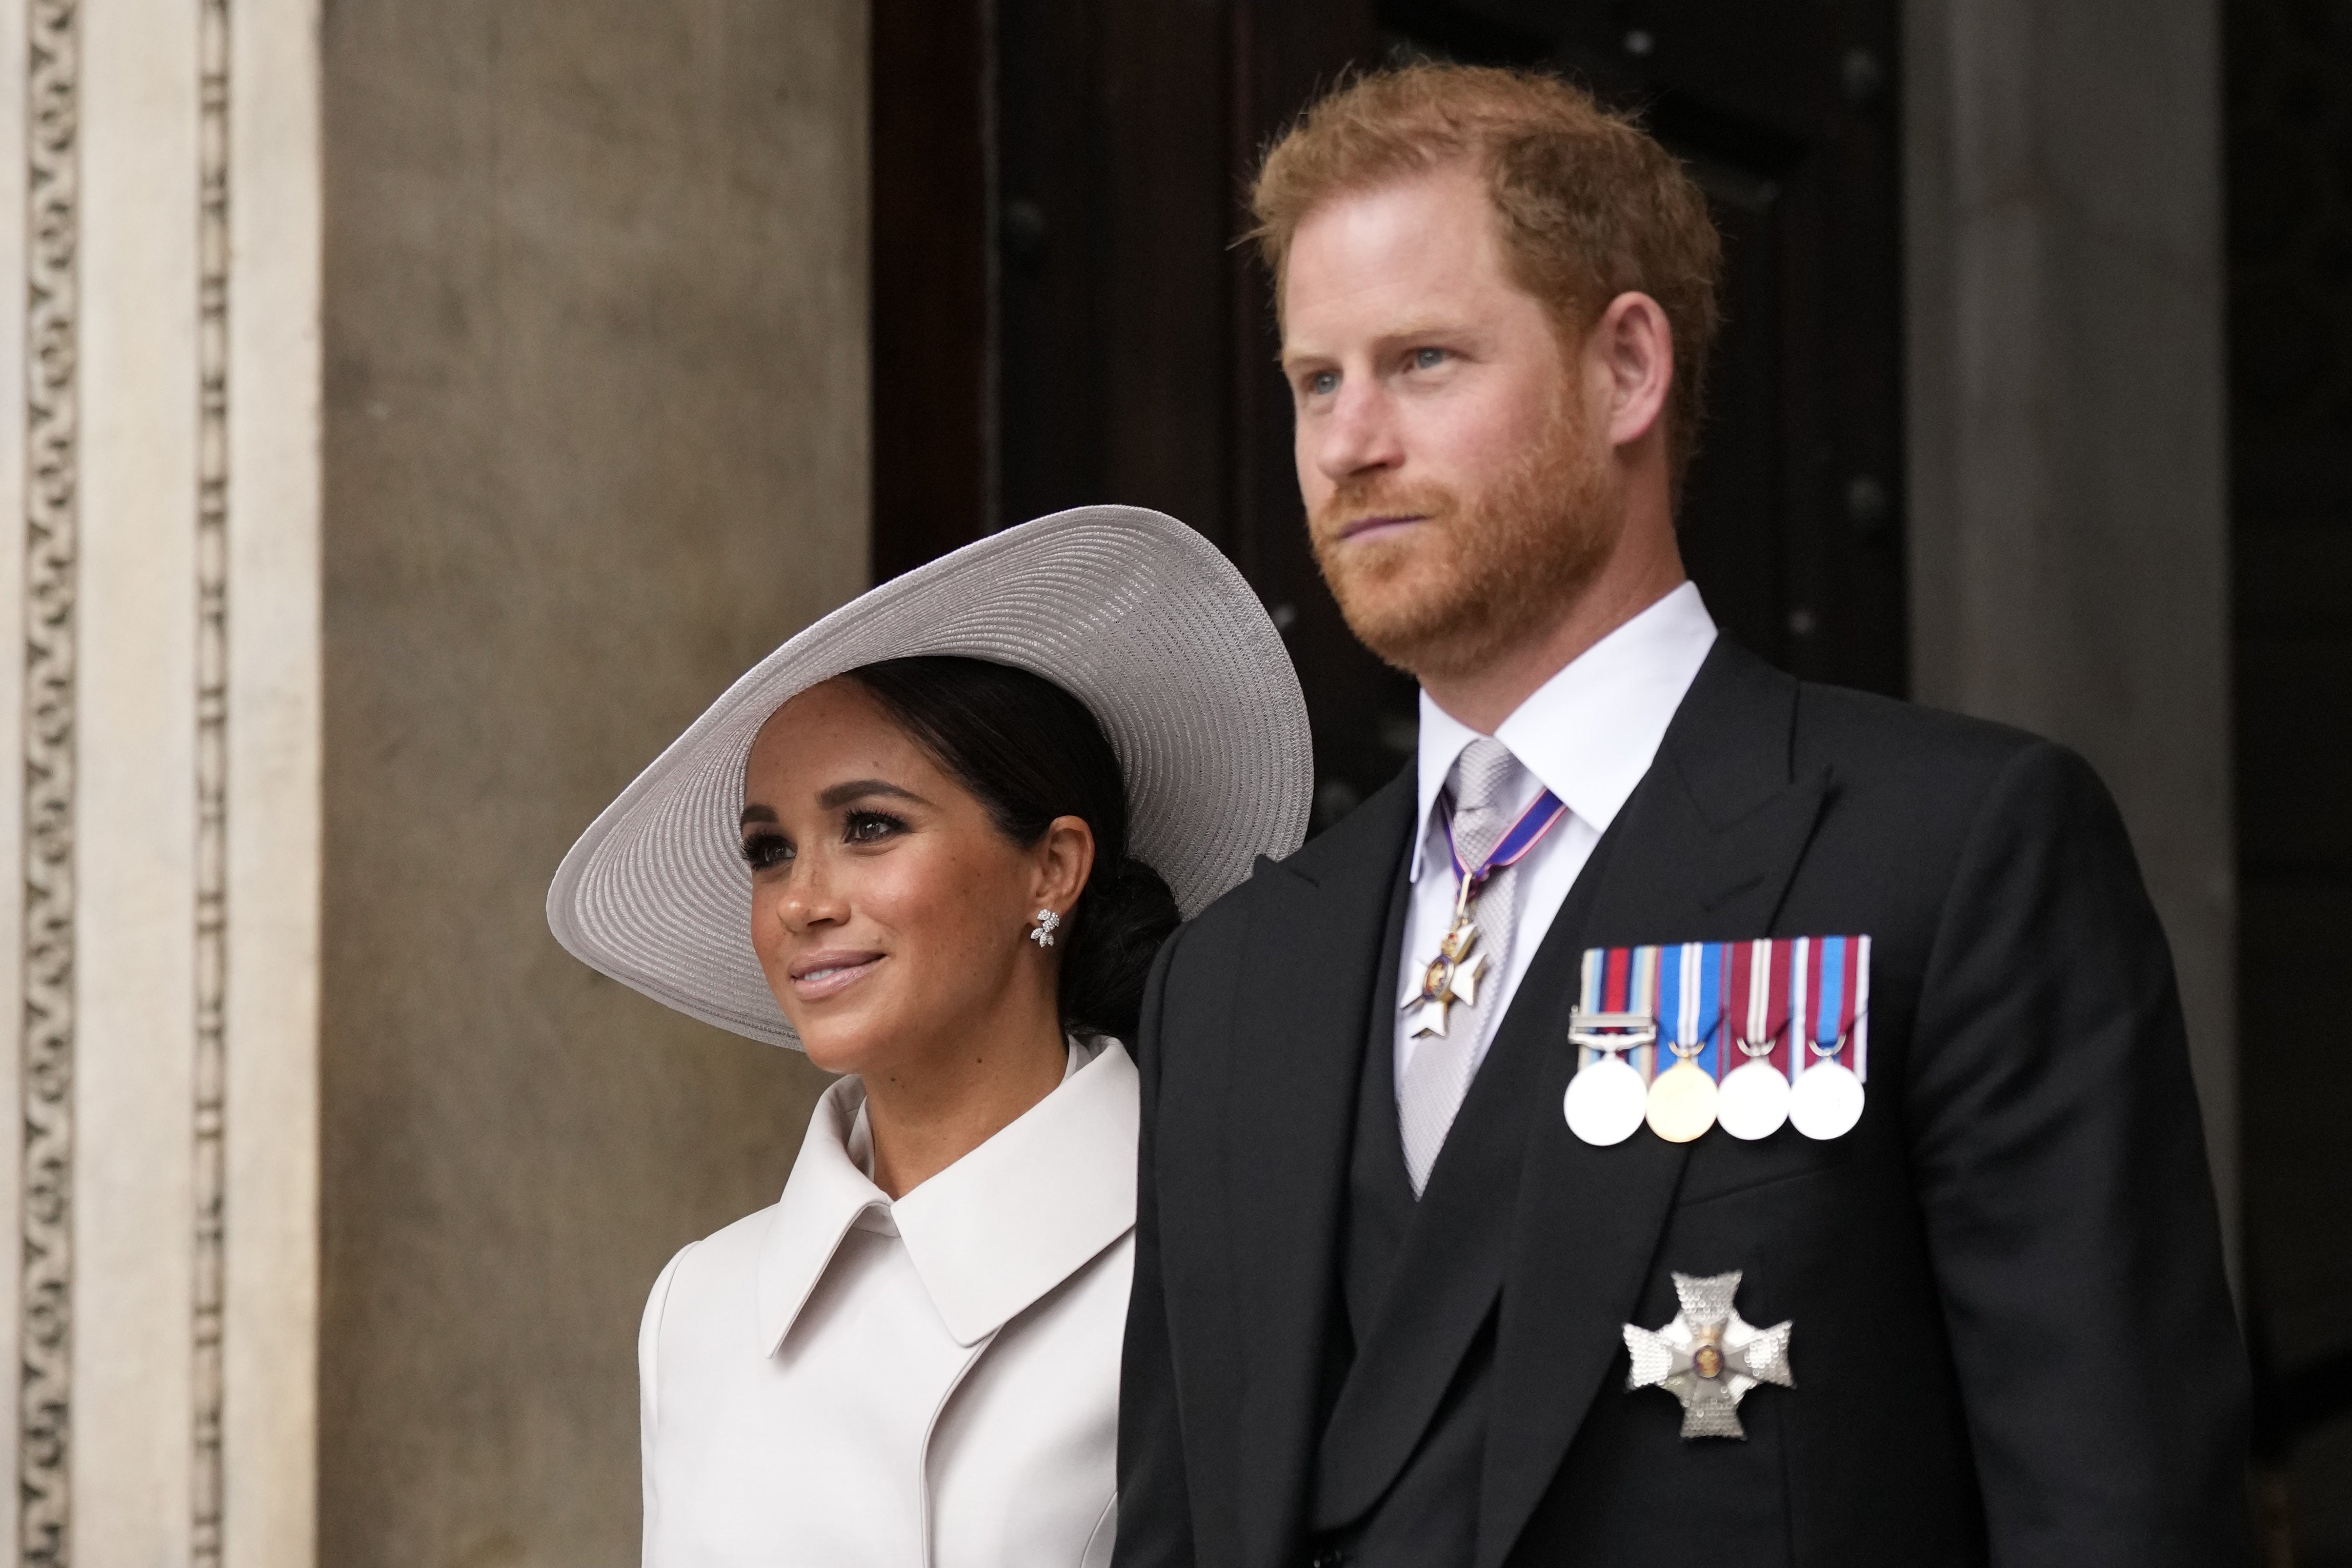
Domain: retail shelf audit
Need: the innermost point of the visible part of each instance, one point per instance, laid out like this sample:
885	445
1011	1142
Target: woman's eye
870	826
1428	359
763	850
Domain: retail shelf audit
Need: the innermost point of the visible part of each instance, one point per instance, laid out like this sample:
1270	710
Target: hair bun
1125	914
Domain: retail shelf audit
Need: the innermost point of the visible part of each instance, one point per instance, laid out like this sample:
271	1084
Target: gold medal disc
1682	1102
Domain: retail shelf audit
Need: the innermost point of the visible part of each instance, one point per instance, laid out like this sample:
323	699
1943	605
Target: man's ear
1629	358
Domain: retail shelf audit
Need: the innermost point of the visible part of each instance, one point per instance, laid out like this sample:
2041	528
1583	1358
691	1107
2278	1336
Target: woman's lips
830	973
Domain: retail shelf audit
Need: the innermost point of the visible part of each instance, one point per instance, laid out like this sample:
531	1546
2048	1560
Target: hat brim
1127	610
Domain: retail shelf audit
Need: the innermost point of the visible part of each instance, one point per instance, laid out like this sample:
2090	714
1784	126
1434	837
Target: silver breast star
1708	1356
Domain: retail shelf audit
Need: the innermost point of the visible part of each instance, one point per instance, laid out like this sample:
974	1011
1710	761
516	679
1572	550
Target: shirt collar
1590	732
989	1235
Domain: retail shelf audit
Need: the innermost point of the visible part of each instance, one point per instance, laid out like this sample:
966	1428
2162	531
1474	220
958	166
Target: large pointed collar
1590	734
988	1236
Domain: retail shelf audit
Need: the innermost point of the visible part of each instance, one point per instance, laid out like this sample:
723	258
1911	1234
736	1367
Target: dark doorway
1126	350
2288	109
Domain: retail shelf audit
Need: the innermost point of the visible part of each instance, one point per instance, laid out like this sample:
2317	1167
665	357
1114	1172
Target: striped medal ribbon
1826	1099
1682	1099
1755	1093
1617	1015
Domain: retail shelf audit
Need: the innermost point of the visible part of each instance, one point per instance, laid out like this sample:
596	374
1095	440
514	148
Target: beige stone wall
595	440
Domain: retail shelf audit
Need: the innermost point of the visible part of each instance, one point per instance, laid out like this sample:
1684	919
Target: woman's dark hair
1031	753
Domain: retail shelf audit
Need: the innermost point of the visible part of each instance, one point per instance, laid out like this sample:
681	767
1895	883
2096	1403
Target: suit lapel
1303	994
1702	850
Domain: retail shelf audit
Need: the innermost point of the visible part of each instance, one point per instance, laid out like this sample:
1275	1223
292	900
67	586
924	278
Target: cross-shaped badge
1452	977
1707	1356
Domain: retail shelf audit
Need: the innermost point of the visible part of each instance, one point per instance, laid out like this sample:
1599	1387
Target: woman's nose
809	901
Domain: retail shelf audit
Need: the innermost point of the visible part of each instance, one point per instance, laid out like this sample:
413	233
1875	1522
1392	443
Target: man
1416	1284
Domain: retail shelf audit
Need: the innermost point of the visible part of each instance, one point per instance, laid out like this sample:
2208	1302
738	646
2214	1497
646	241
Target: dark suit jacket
2013	1342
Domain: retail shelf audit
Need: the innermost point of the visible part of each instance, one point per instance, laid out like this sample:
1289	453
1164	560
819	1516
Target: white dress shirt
843	1380
1588	734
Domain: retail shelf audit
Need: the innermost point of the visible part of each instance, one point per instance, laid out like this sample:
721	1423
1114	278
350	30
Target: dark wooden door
1127	350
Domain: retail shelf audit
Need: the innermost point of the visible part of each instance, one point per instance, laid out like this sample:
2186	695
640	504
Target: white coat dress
841	1381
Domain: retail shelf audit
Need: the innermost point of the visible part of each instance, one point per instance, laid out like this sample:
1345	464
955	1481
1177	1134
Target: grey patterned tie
1438	1075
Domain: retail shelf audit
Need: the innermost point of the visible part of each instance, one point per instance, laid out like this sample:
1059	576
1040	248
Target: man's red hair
1588	204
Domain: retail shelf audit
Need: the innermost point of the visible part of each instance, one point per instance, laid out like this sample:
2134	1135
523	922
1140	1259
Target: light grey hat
1130	611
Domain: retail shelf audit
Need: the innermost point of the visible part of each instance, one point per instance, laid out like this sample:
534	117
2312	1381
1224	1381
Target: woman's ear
1064	857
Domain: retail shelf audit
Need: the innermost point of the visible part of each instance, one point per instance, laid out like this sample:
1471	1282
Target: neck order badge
1454	974
1758	1034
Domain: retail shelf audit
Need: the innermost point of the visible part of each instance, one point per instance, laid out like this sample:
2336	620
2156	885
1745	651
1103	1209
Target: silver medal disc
1826	1101
1753	1100
1605	1101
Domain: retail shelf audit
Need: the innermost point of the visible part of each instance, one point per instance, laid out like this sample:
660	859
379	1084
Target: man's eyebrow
858	789
1430	327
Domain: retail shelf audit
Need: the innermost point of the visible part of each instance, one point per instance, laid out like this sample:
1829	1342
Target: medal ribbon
1838	986
1619	980
1858	1034
1739	1003
1541	814
1645	999
1690	991
1769	965
1789	991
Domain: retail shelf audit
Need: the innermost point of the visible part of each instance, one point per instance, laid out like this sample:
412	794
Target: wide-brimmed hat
1130	611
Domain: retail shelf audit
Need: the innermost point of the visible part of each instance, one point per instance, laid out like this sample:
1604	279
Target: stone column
2069	521
595	441
159	610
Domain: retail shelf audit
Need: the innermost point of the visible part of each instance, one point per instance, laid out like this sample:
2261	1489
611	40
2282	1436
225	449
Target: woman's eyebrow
752	814
858	789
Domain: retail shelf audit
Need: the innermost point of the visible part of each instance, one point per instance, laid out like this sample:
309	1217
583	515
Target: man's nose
1359	433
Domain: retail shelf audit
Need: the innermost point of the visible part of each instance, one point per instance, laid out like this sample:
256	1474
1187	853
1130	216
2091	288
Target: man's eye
1428	359
1323	383
870	826
763	850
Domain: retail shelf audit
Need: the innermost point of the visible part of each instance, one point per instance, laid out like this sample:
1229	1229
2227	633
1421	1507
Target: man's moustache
1336	516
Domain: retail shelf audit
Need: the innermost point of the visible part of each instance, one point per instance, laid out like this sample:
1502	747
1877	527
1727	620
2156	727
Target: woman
934	840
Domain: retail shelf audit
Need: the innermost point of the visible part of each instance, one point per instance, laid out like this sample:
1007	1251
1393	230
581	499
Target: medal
1682	1099
1452	977
1606	1097
1708	1356
1755	1036
1617	1016
1754	1100
1826	1100
1454	974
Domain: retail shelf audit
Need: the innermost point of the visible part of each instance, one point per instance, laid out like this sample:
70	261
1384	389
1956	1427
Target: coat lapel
1702	851
1303	996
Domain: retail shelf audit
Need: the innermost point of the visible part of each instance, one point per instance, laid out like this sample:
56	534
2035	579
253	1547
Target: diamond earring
1043	935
